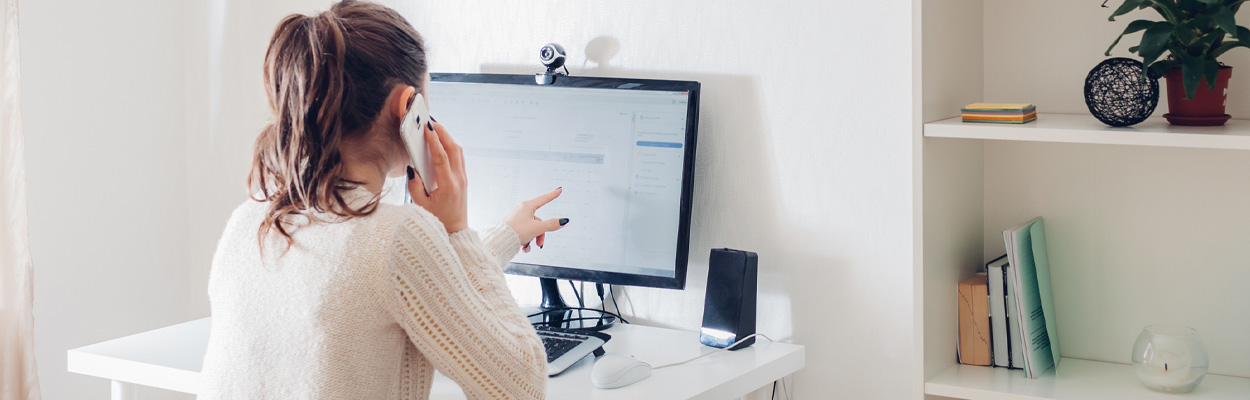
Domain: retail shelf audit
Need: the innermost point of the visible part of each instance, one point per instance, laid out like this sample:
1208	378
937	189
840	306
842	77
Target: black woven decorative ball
1117	93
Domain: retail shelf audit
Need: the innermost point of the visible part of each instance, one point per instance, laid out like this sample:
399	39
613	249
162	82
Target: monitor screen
621	149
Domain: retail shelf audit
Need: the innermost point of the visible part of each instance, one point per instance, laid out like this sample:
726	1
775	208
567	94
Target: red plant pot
1207	106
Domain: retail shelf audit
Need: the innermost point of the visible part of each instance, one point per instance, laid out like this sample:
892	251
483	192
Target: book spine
974	341
1014	340
999	345
981	310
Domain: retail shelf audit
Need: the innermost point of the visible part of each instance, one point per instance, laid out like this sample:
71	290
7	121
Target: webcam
552	56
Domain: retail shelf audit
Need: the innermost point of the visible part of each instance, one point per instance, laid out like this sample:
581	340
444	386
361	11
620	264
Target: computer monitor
622	149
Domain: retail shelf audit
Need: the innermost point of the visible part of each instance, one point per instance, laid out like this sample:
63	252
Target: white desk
170	358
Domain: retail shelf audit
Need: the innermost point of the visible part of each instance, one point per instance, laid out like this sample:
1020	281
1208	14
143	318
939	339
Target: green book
1030	277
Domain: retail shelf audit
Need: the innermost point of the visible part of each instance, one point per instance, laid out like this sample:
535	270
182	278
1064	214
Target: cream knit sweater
366	308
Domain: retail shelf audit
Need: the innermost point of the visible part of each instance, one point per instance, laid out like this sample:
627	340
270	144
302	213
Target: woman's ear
401	100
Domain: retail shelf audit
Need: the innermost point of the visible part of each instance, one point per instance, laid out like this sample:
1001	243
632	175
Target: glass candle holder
1169	358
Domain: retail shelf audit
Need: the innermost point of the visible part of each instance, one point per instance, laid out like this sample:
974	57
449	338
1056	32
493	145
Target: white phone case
413	129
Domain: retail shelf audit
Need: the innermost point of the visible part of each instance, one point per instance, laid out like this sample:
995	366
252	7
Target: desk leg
124	391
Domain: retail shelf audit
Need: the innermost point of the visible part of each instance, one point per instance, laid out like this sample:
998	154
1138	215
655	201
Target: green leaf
1157	70
1177	51
1200	24
1211	2
1243	40
1128	5
1191	70
1219	51
1154	41
1185	35
1191	6
1209	42
1225	19
1211	71
1134	26
1167	9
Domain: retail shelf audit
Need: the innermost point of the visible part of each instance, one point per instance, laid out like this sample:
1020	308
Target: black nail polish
411	174
433	119
562	187
430	125
540	246
563	221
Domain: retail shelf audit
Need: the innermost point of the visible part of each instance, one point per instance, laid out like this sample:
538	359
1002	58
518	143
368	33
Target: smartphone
413	130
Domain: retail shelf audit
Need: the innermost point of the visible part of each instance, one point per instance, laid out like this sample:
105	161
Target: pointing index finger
542	200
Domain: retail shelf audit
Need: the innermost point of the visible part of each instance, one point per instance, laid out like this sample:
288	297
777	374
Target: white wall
804	156
102	100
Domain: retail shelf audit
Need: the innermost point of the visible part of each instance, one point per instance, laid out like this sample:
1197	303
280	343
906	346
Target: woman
317	289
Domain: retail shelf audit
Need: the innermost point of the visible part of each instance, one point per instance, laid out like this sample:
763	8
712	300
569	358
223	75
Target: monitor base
573	319
555	313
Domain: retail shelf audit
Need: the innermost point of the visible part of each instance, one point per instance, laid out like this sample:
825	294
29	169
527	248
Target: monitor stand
555	313
551	294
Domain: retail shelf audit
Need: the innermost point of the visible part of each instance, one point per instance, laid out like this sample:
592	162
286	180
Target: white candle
1167	370
1169	358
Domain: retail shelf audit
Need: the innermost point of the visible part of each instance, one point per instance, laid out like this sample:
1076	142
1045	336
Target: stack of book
1019	301
999	113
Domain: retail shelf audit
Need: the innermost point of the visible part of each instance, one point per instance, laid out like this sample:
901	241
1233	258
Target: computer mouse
613	371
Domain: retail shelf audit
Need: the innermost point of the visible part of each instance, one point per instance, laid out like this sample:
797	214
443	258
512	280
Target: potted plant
1194	34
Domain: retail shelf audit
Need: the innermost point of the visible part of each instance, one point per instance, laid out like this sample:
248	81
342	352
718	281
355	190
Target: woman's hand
449	202
527	226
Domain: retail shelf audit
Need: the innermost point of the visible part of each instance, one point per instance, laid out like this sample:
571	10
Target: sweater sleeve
467	326
502	242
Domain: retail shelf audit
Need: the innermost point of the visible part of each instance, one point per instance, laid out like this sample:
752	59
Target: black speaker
729	303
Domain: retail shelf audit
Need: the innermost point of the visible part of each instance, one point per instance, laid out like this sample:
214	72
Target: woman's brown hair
327	77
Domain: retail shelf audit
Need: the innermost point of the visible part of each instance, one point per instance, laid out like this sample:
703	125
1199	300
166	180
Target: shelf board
1075	380
1081	128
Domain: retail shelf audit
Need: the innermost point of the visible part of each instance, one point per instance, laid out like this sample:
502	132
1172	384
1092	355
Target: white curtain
18	378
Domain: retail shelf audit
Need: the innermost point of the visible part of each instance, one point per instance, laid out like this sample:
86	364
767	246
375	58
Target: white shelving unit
1077	380
1145	224
1077	128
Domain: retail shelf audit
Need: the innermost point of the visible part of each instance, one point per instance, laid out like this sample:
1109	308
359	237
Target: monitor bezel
681	261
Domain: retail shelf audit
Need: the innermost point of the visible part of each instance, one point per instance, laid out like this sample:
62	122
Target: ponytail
326	79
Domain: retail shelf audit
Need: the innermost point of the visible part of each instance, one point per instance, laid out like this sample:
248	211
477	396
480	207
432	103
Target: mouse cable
580	303
577	293
612	294
717	351
603	304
